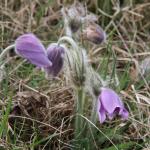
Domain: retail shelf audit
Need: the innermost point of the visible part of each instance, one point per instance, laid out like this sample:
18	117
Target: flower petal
124	114
116	111
101	111
55	54
111	116
29	47
110	100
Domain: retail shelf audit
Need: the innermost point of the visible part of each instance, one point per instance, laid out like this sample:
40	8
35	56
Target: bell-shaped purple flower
30	47
109	104
55	54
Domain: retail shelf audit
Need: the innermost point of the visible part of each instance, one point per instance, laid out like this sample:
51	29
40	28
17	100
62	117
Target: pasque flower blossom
110	104
55	54
30	47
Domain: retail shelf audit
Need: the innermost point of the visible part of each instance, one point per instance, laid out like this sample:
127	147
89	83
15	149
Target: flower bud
76	11
55	54
76	15
74	25
95	34
30	47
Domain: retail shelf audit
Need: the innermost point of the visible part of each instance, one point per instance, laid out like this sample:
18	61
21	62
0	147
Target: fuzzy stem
93	117
79	111
94	106
5	51
94	110
66	23
2	65
70	41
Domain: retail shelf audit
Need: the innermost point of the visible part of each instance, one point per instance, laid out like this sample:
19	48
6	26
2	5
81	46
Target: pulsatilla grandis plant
67	54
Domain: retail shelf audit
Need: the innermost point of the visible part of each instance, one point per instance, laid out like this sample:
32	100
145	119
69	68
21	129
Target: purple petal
29	47
101	112
124	114
111	116
55	54
116	111
110	100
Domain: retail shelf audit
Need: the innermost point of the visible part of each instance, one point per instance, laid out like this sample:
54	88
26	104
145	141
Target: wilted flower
30	47
94	33
110	104
55	54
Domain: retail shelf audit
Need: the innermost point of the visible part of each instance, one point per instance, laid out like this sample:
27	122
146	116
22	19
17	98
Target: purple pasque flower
55	54
30	47
110	104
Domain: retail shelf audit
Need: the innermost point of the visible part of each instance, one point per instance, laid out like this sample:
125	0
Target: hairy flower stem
94	105
79	124
93	118
94	109
68	31
5	51
2	64
69	40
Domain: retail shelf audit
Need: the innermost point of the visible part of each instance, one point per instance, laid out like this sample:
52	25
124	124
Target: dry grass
44	109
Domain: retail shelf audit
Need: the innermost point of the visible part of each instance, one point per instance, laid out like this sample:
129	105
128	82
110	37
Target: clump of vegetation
59	62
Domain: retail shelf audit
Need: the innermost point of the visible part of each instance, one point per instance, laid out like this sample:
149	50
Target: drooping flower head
55	54
110	104
30	47
94	33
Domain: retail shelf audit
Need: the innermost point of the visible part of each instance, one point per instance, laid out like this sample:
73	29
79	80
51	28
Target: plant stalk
79	124
70	41
5	51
